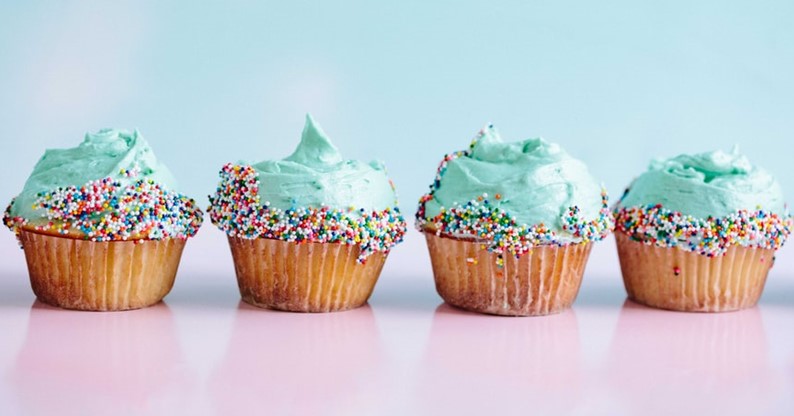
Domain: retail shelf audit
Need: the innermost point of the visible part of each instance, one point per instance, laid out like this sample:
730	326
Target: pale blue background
615	83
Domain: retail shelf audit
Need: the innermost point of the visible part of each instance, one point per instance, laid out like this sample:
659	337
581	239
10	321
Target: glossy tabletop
203	352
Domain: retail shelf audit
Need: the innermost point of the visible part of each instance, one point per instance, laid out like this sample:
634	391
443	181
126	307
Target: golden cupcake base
543	281
100	276
305	277
674	279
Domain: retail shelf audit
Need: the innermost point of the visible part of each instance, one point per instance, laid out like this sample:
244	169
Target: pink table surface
203	352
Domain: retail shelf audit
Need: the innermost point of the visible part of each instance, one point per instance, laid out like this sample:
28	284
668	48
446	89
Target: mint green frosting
714	184
102	154
537	181
316	175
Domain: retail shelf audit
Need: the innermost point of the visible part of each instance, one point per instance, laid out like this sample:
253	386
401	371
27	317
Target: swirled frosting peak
313	195
316	175
315	148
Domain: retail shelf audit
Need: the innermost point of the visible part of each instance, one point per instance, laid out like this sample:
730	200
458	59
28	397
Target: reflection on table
297	363
663	362
99	362
477	363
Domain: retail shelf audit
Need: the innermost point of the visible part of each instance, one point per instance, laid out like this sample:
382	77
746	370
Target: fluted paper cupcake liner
100	276
543	281
305	277
671	278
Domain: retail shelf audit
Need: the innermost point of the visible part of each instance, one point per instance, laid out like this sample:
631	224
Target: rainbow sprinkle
482	219
236	209
653	224
104	210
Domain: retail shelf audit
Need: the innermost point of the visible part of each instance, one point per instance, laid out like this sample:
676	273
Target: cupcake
509	226
310	232
101	225
699	232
